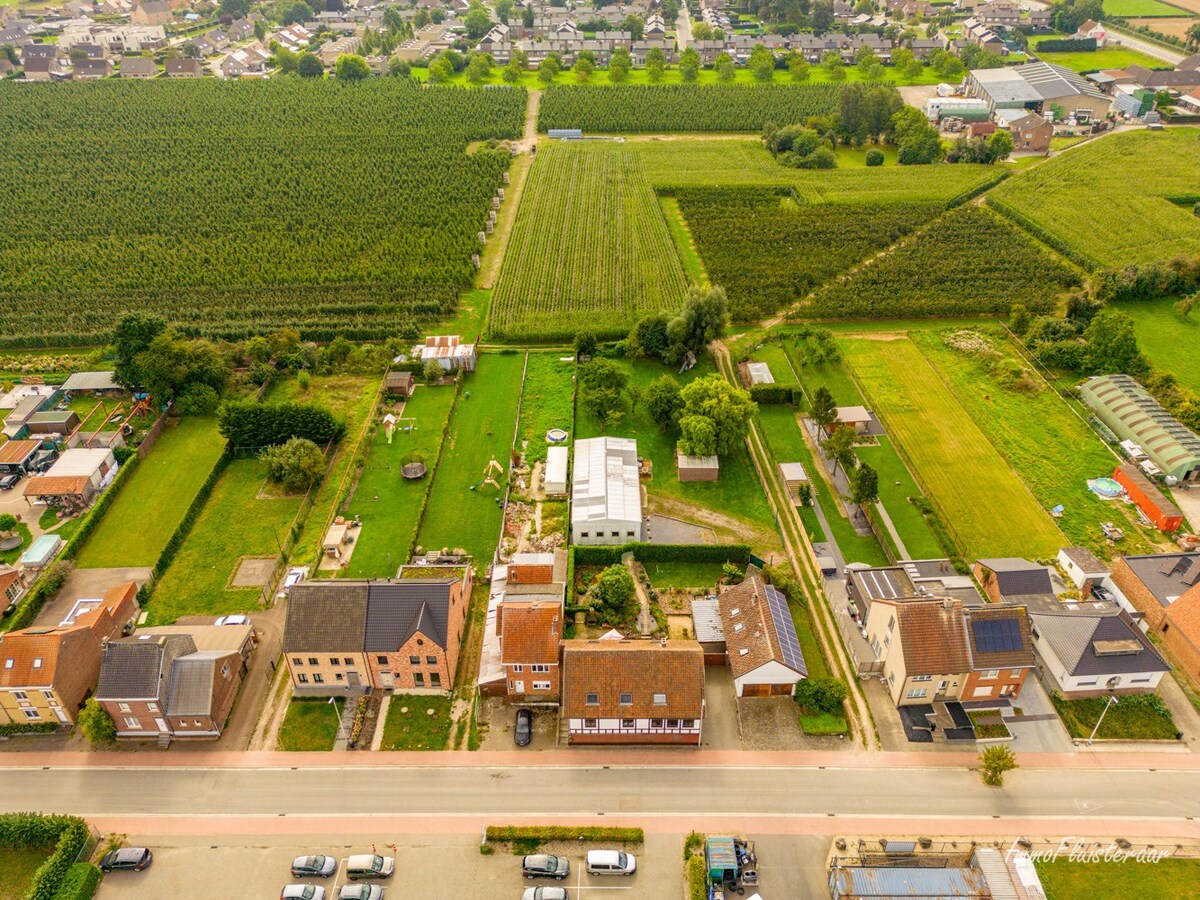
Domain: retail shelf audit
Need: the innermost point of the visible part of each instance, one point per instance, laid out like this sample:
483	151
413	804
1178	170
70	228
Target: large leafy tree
1112	346
173	367
132	335
715	417
664	401
703	320
295	464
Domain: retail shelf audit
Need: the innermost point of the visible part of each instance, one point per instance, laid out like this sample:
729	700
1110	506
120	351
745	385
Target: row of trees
839	447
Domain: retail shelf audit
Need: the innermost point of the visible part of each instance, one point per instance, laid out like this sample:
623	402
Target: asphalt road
1170	798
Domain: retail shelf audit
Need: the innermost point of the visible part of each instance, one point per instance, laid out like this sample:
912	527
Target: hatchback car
543	865
128	858
8	482
233	620
523	733
303	892
360	892
545	893
313	866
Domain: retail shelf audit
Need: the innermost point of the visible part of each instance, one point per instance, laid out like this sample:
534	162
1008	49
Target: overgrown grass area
547	401
311	723
1052	450
1168	341
158	494
987	507
665	575
1140	717
388	503
988	730
685	244
896	488
235	522
411	726
824	723
481	429
17	868
1109	57
1064	879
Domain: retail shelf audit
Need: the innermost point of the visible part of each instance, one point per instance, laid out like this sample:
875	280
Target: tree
614	596
918	141
96	724
477	21
309	66
874	157
132	335
831	62
295	465
724	67
350	67
649	336
689	64
839	447
1000	144
583	69
822	16
548	70
994	762
798	67
172	364
512	72
585	344
1112	346
527	17
635	25
440	71
664	402
728	409
864	485
432	371
703	320
296	11
656	64
238	9
478	69
1018	319
821	695
619	65
864	58
604	384
761	63
8	522
504	9
824	408
393	21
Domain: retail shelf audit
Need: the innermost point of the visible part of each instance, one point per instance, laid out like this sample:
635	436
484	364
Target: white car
544	893
303	892
239	619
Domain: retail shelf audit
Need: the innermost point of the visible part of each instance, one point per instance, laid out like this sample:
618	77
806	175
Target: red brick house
1012	578
529	652
1165	588
1001	652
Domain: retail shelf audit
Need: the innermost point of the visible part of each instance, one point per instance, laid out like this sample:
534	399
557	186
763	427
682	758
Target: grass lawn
1142	717
736	495
8	557
1094	60
775	356
1128	9
683	574
156	497
547	401
1046	443
416	729
17	868
896	485
481	429
693	265
388	503
1067	880
824	723
988	730
1168	341
310	724
234	523
987	507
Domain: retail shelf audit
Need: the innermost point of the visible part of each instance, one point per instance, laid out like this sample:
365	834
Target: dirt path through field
518	173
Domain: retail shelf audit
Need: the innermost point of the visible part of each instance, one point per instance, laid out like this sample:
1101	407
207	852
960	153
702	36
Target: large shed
697	468
1132	414
606	496
555	481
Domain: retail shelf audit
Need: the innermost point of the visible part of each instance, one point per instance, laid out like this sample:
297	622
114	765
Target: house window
382	660
891	624
123	707
1139	680
431	661
660	699
31	714
518	668
302	678
1166	627
435	679
627	723
875	648
37	662
626	699
689	723
584	534
539	668
887	641
918	693
589	723
297	661
334	661
739	626
132	723
339	677
414	660
312	661
1016	673
1094	681
541	685
20	695
592	699
225	671
151	707
8	663
990	673
318	678
922	678
629	534
656	723
418	679
347	660
892	678
616	534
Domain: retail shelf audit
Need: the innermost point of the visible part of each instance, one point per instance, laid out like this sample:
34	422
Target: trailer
732	866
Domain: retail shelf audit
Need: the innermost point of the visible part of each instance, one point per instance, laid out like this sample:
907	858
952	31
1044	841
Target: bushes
644	553
48	879
773	393
542	834
249	424
1066	45
80	882
13	728
697	878
68	836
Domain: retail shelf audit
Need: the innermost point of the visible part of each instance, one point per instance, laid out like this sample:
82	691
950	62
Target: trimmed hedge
738	554
184	528
67	835
13	728
1066	45
697	878
249	424
96	513
774	393
80	883
546	833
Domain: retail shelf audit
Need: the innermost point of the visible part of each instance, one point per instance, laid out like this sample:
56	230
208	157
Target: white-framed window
539	668
660	699
922	678
37	662
131	722
1016	673
518	668
990	673
31	714
875	648
150	707
47	693
20	695
541	685
589	723
592	699
123	707
626	698
918	693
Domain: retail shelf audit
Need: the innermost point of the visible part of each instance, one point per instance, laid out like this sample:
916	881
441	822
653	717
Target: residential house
448	351
152	12
218	38
1091	30
606	495
923	47
138	67
979	34
244	62
75	478
1165	589
43	62
346	636
199	47
922	645
1000	647
1084	568
91	70
760	639
1013	579
184	68
1040	18
999	14
46	673
330	53
633	692
1093	652
529	651
529	579
12	587
293	37
240	30
1030	133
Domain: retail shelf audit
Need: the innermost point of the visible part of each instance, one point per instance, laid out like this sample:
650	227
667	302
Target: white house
606	497
1089	655
1082	567
555	481
760	640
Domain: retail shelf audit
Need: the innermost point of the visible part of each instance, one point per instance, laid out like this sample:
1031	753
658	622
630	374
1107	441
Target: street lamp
1112	698
341	730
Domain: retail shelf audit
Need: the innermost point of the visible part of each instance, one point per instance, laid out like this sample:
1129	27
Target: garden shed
54	421
793	476
760	373
99	383
697	468
555	481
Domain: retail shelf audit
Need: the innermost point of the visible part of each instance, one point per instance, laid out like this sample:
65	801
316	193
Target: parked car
238	619
543	865
545	893
369	865
132	858
523	733
303	892
610	862
360	892
8	482
317	866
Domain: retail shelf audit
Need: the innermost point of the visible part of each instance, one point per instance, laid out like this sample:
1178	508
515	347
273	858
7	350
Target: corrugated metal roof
885	883
706	620
605	481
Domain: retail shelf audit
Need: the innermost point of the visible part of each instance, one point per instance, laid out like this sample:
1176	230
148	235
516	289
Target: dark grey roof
1085	559
1018	577
132	668
398	609
1073	637
1166	575
326	615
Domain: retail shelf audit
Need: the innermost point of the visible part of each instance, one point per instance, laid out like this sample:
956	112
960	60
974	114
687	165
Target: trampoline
414	470
1108	488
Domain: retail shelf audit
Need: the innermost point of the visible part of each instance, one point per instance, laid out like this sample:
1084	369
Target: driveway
87	583
1188	501
721	719
1037	729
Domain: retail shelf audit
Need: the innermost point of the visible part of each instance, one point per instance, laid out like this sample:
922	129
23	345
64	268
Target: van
610	862
369	865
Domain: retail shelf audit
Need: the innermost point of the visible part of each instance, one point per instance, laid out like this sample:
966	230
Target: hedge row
80	883
30	606
738	554
547	833
68	836
247	423
697	878
967	196
96	513
774	393
1066	45
28	830
13	728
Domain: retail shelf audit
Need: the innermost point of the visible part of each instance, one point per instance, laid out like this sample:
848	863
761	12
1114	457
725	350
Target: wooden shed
697	468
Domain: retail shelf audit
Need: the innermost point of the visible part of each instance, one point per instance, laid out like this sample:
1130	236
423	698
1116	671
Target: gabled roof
192	682
1073	639
137	668
758	628
326	616
1016	577
31	657
531	633
933	636
1085	559
398	610
639	668
998	637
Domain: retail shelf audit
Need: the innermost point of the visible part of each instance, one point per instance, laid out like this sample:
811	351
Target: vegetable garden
240	207
590	248
970	261
682	107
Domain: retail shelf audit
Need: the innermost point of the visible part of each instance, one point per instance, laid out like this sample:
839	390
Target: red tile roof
641	669
531	633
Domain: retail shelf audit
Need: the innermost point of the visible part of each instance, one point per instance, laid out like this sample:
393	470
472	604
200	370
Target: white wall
773	672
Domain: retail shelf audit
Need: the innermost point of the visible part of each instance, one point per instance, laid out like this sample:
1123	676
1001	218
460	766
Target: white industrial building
606	498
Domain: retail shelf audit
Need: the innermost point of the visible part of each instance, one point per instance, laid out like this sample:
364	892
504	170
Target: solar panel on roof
785	629
997	635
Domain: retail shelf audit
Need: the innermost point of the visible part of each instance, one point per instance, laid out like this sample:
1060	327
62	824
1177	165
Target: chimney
947	603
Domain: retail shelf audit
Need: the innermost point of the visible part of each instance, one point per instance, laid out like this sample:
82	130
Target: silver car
360	892
545	893
302	892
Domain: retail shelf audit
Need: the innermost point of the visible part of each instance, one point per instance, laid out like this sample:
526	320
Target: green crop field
1109	203
1141	9
547	401
152	504
969	261
1109	57
590	248
481	429
1052	449
1170	343
341	213
987	507
388	503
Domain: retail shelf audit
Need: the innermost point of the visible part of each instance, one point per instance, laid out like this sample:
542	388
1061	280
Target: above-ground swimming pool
1106	487
556	435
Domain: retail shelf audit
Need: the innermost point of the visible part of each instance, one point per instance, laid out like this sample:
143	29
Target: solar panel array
785	629
997	635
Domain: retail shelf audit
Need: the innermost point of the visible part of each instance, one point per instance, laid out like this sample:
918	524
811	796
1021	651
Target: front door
941	691
161	724
518	687
61	713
